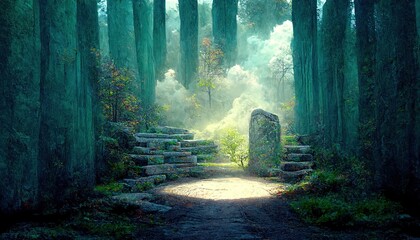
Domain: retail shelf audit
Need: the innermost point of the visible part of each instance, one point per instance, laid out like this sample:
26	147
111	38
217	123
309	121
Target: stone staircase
297	163
168	151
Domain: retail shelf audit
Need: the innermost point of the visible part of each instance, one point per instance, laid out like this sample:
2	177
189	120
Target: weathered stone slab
144	160
264	142
299	157
295	166
302	149
165	168
138	200
185	136
205	157
176	154
292	177
147	151
157	179
196	143
201	149
152	135
169	130
186	159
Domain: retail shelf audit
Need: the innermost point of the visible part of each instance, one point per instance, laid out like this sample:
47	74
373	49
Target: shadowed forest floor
227	205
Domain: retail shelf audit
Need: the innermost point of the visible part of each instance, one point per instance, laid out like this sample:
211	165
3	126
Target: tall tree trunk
333	32
144	50
396	81
188	13
122	47
304	16
159	36
19	104
366	44
225	29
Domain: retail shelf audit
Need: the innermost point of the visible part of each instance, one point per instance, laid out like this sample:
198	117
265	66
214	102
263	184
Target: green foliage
234	145
142	187
116	91
110	188
210	67
334	210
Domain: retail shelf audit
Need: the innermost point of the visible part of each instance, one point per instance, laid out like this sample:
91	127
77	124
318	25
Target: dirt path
233	208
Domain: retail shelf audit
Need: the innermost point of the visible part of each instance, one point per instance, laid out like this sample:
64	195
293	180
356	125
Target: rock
185	136
201	149
132	197
186	159
157	179
165	169
147	151
299	157
138	200
292	177
156	143
152	135
176	154
264	142
169	130
196	143
121	133
302	149
202	158
144	160
295	166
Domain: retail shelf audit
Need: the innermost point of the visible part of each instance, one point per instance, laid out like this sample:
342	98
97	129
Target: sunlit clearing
224	189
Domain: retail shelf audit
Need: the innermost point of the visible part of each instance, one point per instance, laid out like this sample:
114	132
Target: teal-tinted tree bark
225	29
366	44
159	36
66	115
19	104
335	20
396	154
305	63
122	47
188	13
144	51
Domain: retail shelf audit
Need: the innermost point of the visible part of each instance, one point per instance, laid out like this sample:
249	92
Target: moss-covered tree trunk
366	43
188	13
396	154
66	115
332	69
122	47
225	29
305	63
19	104
144	51
159	36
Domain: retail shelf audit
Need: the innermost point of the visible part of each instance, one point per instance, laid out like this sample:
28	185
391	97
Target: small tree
234	145
210	68
116	90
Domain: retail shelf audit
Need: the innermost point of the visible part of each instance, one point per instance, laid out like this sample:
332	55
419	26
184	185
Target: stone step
176	154
152	135
140	200
147	151
292	177
169	130
201	149
157	179
202	158
157	143
165	169
144	160
295	166
196	143
185	136
297	149
187	159
299	157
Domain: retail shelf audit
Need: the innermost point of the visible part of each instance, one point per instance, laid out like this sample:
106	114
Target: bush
234	145
334	210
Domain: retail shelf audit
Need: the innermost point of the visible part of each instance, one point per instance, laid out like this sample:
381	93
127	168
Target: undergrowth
337	194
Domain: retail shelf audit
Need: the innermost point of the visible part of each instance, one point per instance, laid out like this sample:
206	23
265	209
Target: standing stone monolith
264	142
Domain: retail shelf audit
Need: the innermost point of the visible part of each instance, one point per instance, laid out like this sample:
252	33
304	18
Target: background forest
342	73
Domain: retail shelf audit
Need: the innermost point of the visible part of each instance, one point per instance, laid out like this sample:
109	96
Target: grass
110	188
